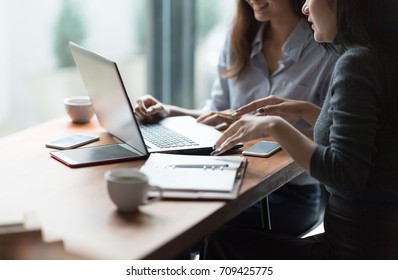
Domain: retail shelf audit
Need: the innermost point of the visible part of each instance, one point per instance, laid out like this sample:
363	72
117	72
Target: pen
204	166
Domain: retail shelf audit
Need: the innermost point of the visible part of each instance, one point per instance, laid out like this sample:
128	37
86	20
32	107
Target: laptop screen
111	104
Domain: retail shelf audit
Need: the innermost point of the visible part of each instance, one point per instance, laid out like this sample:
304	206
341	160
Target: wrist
170	111
310	112
274	124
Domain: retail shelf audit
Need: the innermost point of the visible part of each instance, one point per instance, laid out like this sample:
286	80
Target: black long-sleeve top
357	156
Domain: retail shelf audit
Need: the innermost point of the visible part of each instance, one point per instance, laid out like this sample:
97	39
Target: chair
316	227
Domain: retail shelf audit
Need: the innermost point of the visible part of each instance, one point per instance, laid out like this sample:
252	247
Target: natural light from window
35	75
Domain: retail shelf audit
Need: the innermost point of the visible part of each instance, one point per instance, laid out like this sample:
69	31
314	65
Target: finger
222	126
141	107
271	109
228	133
139	103
252	106
144	118
228	144
138	111
243	110
138	115
217	118
204	116
260	103
155	109
223	138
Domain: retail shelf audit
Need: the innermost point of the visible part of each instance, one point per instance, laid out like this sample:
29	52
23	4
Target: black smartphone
262	149
72	141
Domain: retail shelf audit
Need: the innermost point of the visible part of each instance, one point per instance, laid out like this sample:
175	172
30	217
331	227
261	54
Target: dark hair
374	25
297	7
244	30
367	23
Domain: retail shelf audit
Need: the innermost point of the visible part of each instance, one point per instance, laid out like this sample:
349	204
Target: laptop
115	113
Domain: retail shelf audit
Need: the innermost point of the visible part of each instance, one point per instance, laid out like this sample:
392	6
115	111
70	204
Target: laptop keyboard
165	137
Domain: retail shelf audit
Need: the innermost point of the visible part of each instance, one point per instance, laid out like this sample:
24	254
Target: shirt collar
297	41
257	44
294	45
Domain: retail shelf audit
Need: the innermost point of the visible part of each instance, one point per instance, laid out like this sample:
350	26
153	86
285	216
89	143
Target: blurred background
168	48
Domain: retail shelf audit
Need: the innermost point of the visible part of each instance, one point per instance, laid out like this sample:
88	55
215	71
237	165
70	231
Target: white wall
30	27
3	64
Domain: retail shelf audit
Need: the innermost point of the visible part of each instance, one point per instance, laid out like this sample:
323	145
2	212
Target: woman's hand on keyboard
148	109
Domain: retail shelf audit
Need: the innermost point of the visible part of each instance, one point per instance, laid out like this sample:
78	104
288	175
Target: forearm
179	111
296	144
310	113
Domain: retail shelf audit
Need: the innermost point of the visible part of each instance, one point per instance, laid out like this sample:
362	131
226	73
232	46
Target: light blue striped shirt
303	74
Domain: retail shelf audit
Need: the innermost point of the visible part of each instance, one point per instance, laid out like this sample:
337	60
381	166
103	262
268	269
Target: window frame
171	51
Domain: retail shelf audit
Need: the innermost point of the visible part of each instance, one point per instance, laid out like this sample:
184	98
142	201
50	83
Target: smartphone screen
72	141
262	149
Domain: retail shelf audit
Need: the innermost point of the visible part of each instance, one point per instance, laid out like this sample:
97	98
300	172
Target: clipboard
227	181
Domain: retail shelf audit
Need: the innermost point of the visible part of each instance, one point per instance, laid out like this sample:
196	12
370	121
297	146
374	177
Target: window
186	38
163	47
212	24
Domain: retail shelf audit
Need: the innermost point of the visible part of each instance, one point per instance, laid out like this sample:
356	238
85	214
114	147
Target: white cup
128	188
79	109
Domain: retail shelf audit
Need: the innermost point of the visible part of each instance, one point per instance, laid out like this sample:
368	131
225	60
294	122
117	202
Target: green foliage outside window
69	27
208	15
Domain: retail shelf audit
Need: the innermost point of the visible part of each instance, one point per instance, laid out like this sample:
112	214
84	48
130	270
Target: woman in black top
354	152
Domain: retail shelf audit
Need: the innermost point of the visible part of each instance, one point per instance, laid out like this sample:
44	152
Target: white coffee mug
79	108
128	188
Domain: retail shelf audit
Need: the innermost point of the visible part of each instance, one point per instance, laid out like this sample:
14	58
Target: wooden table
73	205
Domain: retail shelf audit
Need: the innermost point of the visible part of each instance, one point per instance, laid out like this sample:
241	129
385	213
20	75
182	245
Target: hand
221	120
243	130
149	109
276	106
